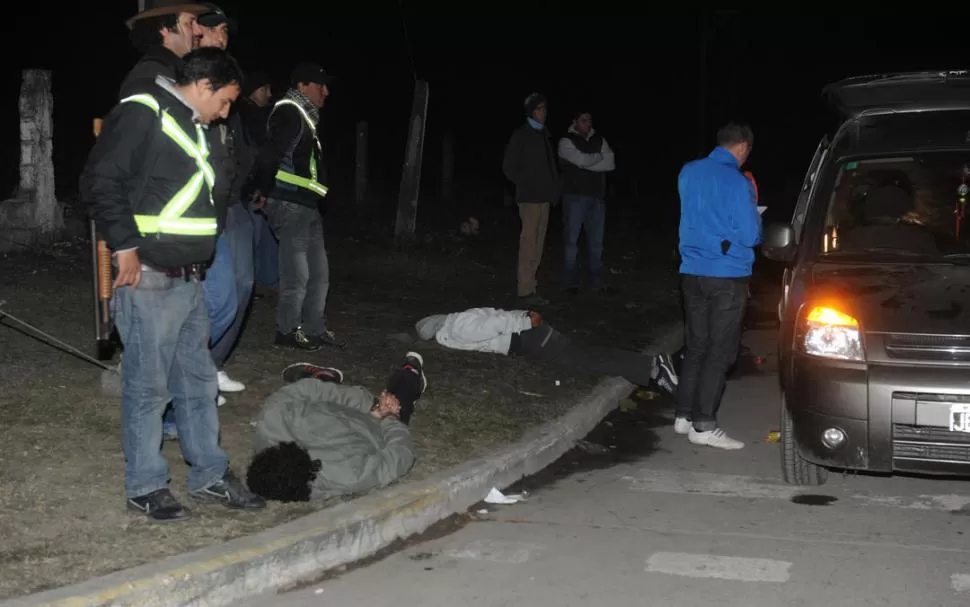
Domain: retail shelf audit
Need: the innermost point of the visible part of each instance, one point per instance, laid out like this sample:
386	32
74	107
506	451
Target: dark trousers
714	310
546	343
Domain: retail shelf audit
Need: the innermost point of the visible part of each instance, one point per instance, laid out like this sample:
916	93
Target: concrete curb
309	546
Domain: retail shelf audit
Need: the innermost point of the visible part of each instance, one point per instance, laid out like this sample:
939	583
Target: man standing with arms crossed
719	227
530	163
148	186
586	158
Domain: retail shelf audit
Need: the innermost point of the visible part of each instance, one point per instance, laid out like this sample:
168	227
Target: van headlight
829	333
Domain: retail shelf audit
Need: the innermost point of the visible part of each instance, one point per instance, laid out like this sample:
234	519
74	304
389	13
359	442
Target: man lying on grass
317	438
525	333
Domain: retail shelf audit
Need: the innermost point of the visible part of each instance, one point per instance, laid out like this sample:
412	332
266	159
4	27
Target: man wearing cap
586	158
229	283
164	32
530	163
254	109
289	174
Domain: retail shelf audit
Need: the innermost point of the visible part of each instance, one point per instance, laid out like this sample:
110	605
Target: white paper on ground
497	497
761	210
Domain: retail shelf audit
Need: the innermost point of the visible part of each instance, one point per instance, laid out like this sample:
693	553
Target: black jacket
288	140
157	61
135	168
531	164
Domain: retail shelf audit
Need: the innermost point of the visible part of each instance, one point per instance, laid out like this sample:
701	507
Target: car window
909	206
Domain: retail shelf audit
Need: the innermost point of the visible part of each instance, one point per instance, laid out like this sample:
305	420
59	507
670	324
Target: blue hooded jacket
716	205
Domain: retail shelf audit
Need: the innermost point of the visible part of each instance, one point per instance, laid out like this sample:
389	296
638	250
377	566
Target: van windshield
900	207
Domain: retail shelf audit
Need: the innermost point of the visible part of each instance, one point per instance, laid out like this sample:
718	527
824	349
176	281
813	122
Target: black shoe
298	371
416	361
230	492
666	373
160	506
296	339
328	338
408	383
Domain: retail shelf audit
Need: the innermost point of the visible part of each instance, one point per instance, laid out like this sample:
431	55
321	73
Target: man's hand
129	269
258	201
536	318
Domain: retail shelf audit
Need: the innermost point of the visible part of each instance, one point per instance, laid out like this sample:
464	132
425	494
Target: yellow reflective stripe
303	182
170	219
192	226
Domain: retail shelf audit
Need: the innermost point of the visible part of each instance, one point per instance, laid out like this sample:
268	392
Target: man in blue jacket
719	228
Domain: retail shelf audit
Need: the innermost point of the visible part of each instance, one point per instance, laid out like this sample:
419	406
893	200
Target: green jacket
332	422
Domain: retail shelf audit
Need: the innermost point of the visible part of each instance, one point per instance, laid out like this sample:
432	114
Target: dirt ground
62	514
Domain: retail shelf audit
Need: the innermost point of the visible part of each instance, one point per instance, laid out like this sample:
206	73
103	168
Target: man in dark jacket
254	108
148	186
530	163
719	228
289	174
317	438
586	158
229	283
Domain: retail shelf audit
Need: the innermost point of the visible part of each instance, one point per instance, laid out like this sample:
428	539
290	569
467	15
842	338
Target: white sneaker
682	425
221	401
228	384
714	438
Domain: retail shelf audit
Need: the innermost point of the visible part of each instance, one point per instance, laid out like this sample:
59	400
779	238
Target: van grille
953	348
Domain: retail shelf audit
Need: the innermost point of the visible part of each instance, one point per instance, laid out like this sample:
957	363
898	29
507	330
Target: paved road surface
690	526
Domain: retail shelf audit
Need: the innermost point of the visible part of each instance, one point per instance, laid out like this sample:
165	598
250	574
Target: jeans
165	331
544	342
266	272
239	234
714	310
220	290
303	267
578	211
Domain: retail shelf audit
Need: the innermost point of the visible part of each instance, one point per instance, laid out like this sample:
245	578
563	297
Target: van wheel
795	469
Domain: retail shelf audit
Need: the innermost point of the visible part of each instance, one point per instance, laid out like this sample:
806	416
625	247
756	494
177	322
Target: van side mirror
778	242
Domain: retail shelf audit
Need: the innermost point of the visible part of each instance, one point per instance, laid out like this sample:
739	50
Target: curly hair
282	472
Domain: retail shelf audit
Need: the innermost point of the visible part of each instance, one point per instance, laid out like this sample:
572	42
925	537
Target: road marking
960	582
706	483
514	553
719	567
748	487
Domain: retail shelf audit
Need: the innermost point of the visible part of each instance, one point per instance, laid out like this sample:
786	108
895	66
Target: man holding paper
720	224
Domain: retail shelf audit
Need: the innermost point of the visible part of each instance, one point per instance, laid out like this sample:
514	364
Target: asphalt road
689	526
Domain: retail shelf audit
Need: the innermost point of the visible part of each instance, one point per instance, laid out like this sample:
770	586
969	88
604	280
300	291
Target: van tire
795	469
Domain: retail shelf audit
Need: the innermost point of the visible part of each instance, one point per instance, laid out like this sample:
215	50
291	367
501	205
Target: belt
190	271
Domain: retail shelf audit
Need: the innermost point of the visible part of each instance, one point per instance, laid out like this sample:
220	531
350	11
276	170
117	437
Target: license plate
960	418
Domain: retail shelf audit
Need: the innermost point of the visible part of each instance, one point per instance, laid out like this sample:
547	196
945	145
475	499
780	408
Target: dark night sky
639	73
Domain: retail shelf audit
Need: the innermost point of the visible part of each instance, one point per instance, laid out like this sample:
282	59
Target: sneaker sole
340	373
420	359
232	388
714	446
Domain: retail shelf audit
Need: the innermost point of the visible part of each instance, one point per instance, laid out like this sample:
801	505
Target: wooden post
447	168
407	202
361	172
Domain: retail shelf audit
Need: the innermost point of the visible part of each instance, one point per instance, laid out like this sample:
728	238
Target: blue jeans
220	289
579	211
165	331
266	272
239	234
303	266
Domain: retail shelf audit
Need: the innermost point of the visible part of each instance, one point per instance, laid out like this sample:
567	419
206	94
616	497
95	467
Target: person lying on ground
525	333
317	438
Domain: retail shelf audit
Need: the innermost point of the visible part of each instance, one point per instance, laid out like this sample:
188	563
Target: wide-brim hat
159	8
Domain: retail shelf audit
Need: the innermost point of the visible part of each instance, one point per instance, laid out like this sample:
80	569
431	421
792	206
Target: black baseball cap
215	16
310	73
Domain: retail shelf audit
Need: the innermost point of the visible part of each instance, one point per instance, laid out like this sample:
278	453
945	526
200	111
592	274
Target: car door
799	216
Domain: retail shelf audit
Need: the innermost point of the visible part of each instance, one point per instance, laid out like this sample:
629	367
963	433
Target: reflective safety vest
170	219
310	184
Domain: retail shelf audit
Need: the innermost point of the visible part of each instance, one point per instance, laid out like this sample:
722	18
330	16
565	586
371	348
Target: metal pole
702	88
